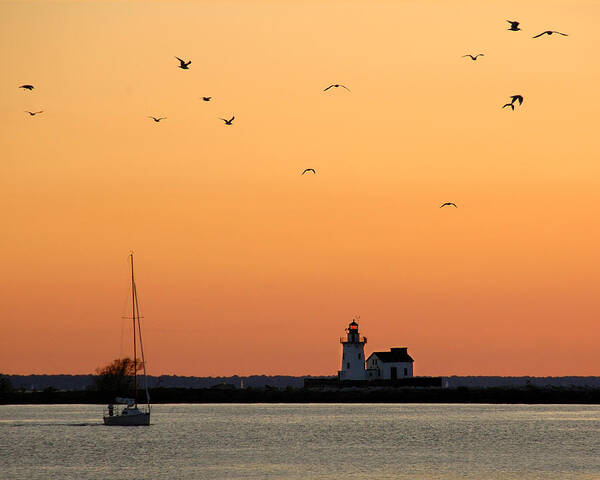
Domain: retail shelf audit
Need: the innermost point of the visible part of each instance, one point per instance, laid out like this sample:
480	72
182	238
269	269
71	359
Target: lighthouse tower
353	354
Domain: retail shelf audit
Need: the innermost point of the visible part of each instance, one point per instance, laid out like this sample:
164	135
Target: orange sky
246	267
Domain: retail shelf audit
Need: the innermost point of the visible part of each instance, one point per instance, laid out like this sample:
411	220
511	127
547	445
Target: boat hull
142	419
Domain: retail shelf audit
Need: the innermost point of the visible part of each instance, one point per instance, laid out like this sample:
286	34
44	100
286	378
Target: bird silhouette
550	32
306	170
336	85
448	204
474	57
158	119
183	64
514	26
517	98
33	114
206	99
27	87
228	122
514	98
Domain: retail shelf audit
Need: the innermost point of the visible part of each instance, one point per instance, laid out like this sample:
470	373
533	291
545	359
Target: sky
245	266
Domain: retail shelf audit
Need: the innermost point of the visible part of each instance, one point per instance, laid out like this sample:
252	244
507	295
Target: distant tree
49	394
5	385
116	377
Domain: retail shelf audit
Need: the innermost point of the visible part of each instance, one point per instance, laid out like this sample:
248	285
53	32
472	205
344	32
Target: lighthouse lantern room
353	354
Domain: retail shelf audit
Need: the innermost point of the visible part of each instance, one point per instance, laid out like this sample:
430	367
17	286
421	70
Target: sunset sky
243	265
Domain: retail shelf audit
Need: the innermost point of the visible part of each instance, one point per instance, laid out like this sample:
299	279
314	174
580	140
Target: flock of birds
185	65
514	27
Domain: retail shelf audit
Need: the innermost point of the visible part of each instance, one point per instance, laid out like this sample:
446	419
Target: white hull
140	419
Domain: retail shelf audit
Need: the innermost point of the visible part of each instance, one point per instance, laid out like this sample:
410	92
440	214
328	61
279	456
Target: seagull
514	98
27	87
474	57
447	204
183	64
514	26
206	99
517	98
33	114
306	170
227	122
336	85
158	119
550	32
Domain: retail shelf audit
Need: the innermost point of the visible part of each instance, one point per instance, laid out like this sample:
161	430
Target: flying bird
33	114
514	98
336	85
448	204
158	119
228	122
514	26
517	98
206	99
27	87
474	57
306	170
550	32
183	64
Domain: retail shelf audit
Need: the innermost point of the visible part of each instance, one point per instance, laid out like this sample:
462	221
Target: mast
133	310
137	307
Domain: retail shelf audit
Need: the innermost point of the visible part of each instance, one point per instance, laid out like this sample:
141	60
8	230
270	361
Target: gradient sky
246	267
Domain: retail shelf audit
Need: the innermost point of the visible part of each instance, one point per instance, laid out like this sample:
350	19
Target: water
417	442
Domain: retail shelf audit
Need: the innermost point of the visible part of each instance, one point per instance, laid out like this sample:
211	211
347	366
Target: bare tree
117	377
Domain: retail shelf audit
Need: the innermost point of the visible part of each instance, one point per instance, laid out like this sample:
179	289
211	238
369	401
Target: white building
396	363
353	354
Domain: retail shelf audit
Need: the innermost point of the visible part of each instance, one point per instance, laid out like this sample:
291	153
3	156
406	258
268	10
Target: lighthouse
353	354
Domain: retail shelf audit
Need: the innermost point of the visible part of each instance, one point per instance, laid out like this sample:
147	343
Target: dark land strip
227	394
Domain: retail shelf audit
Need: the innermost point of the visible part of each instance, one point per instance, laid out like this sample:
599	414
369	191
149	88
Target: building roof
394	355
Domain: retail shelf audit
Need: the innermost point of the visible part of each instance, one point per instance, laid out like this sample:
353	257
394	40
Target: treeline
527	395
81	382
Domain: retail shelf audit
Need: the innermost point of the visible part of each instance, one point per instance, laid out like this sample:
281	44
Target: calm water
414	442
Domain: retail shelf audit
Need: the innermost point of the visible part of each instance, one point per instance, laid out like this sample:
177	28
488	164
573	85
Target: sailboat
127	411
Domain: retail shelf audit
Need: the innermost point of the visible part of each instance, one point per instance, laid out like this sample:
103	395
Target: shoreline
490	395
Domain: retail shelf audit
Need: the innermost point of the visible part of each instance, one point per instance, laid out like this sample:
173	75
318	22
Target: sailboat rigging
132	414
